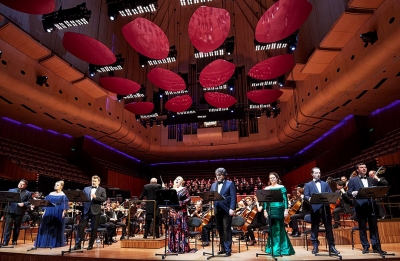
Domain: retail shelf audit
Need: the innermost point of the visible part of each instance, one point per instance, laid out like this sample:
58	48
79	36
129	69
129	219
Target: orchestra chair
345	216
262	233
25	225
353	231
238	221
69	227
307	219
101	230
194	223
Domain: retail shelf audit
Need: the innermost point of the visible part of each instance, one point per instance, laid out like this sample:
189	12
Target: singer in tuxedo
317	211
364	207
15	213
149	192
91	211
224	209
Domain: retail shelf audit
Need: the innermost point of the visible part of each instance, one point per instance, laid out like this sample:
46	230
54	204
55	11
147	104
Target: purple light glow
34	127
111	148
390	106
11	120
334	128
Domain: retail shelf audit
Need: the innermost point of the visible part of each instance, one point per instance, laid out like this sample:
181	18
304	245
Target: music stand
371	193
211	196
39	203
271	195
325	199
7	196
74	196
166	198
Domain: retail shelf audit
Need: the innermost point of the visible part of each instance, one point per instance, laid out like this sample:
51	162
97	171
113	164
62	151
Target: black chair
238	222
102	231
194	223
26	226
69	227
263	231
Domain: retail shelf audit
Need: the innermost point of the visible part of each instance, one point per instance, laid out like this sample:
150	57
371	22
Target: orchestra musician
224	210
301	212
110	225
121	213
365	208
258	219
374	175
343	204
35	212
206	224
345	180
317	211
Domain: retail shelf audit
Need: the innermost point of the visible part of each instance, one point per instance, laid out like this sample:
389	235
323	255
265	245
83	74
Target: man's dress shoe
377	249
76	247
228	254
333	250
14	243
365	250
90	247
297	234
221	252
315	250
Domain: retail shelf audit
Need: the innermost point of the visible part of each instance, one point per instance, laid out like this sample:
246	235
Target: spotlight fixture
268	113
40	80
369	37
171	58
92	70
64	18
1	53
198	54
193	2
158	122
255	83
118	65
230	45
227	47
258	114
151	123
289	42
281	80
130	7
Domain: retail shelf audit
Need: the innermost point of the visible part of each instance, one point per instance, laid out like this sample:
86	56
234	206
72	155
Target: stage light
193	2
63	19
151	123
130	7
230	45
144	124
137	117
92	70
369	37
198	54
40	80
289	42
281	80
276	112
118	65
171	58
256	83
1	53
158	122
268	113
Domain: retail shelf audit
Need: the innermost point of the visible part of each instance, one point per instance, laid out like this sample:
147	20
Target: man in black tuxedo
224	209
317	211
149	192
91	211
364	208
15	213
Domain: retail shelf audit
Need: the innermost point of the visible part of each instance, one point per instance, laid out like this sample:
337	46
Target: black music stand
7	196
74	196
166	198
39	203
270	195
325	199
211	196
371	193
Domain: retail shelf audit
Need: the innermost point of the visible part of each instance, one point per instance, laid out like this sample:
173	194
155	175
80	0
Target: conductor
149	192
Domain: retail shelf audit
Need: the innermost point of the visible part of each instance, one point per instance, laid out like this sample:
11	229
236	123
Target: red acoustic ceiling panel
208	28
31	7
88	49
264	96
219	100
119	85
216	73
146	38
282	19
272	68
179	104
166	80
140	108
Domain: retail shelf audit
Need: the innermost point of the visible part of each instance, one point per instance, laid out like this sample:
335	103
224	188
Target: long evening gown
178	221
51	230
278	236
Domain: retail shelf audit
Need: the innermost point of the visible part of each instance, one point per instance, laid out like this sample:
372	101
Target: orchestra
137	215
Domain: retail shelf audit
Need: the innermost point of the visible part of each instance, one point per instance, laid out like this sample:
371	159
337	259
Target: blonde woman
51	230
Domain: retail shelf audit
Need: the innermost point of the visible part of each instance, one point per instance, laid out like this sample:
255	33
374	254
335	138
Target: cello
296	206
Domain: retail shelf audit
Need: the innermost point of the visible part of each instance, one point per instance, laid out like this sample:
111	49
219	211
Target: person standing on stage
91	211
224	209
51	229
278	241
317	211
178	220
15	213
149	192
365	208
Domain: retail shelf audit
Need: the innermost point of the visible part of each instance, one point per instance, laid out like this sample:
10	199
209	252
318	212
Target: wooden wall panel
298	176
125	182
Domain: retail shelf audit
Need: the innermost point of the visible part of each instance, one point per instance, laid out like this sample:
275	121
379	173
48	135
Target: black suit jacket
25	197
94	205
149	191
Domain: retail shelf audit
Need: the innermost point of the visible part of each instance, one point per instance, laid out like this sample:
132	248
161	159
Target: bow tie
317	181
220	182
363	177
94	187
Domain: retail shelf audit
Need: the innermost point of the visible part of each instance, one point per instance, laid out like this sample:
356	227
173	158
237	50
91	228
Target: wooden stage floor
115	252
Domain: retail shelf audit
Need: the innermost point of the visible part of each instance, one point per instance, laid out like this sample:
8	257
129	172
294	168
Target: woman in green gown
278	237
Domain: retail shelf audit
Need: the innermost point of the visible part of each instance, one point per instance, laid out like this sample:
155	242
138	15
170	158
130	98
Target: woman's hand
286	213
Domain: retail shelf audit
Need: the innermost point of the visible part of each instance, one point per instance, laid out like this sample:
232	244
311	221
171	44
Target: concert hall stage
138	248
